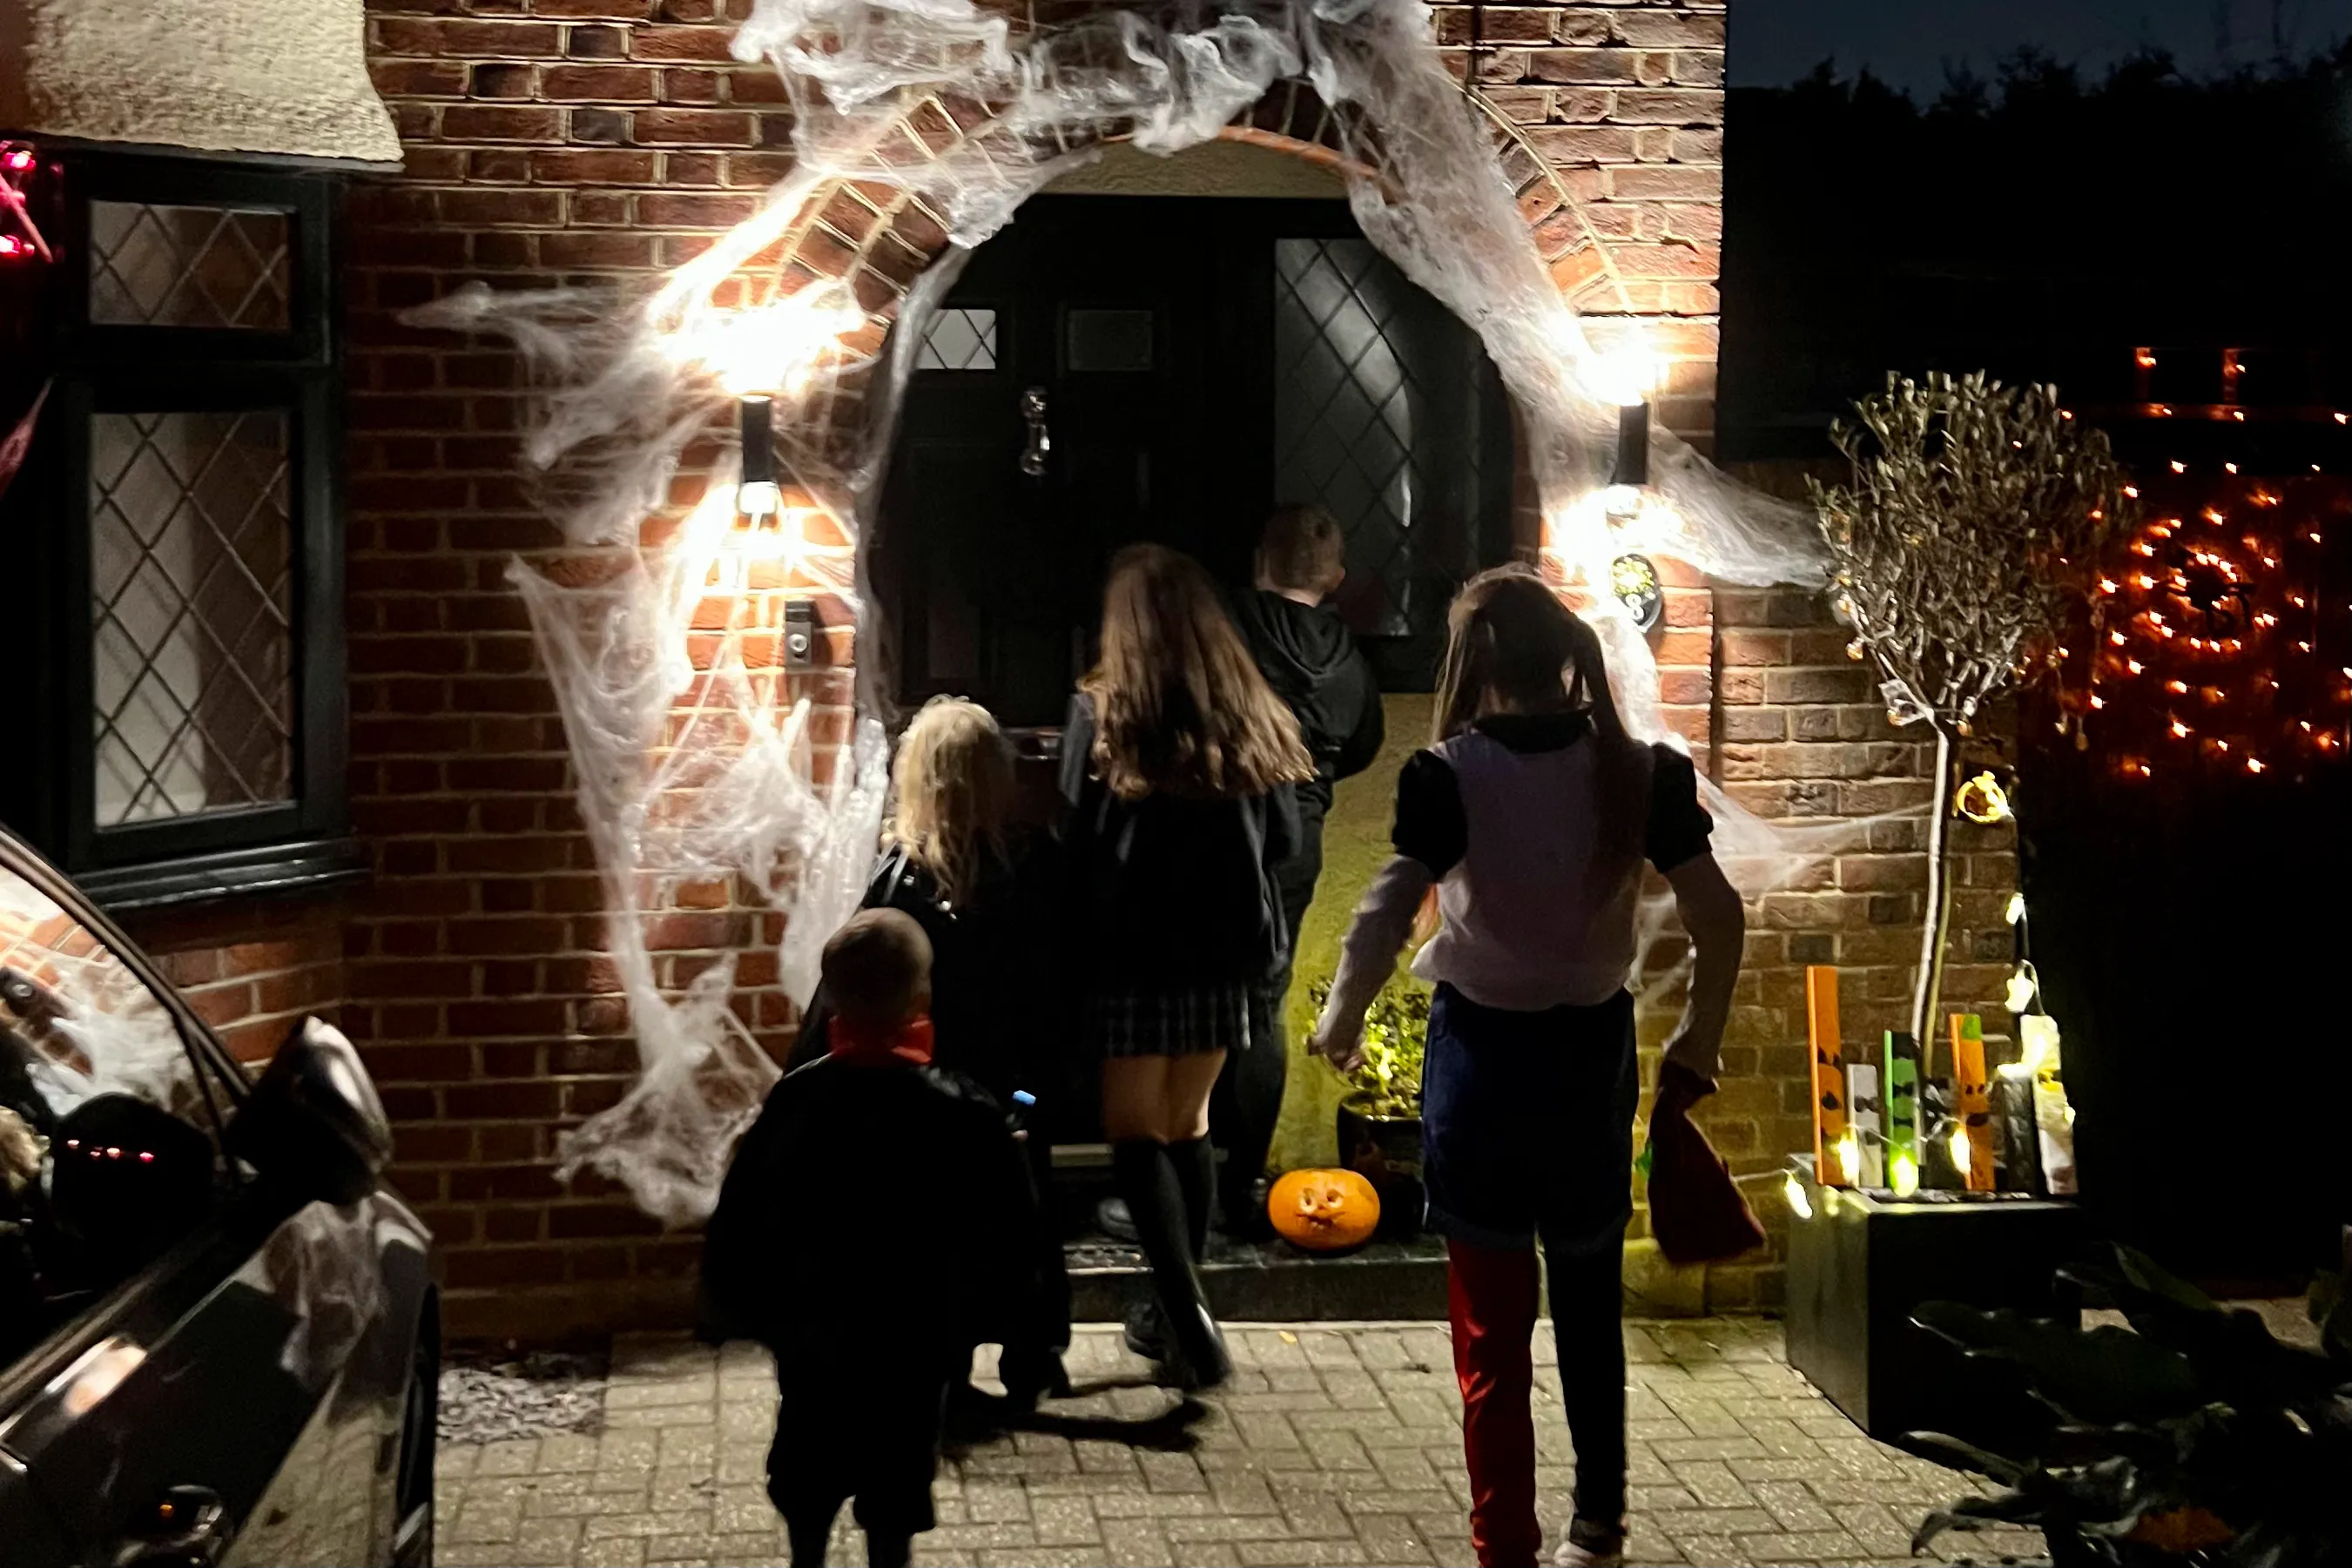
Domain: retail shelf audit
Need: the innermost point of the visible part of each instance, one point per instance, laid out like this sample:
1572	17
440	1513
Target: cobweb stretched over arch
694	762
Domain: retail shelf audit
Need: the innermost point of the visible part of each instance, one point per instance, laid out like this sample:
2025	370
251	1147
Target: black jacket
1171	891
1313	664
998	1010
873	1205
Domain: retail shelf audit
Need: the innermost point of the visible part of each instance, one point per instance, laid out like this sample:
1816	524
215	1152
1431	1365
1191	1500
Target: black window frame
48	514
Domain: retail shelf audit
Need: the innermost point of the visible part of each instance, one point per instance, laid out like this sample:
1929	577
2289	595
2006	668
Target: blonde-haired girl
985	891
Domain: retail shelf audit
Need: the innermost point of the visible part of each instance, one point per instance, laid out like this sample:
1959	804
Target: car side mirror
312	1125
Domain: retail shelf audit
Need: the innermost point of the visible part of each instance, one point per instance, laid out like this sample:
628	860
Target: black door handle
188	1528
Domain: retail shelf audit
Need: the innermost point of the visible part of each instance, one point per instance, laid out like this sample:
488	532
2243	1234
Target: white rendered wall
286	76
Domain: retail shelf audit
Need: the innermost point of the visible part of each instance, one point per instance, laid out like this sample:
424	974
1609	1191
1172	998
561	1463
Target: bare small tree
1973	513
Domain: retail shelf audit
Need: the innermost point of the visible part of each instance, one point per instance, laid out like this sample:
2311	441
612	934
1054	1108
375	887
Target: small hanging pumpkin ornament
1324	1210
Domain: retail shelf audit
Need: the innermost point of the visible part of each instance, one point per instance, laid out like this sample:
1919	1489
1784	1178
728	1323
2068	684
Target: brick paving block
1794	1506
1717	1551
1041	1557
1337	1450
1806	1546
1314	1514
1678	1523
1135	1544
1712	1482
1171	1472
1407	1470
1064	1522
1240	1492
1435	1501
1674	1450
1453	1551
619	1552
482	1521
515	1457
633	1393
1298	1554
1391	1539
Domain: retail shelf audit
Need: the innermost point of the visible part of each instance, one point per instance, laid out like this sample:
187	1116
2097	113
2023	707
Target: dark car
219	1338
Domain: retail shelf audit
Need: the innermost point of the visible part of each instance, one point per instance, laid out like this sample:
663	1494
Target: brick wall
252	972
600	140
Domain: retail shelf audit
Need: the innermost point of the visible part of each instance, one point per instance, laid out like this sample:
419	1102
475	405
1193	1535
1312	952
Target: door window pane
164	265
191	578
958	339
1344	412
1114	341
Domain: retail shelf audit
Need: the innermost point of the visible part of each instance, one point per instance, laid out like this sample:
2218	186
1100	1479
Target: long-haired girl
984	890
1532	814
1178	762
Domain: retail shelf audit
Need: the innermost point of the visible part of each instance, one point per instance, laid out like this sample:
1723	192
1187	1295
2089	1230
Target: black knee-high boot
1195	1164
1147	1178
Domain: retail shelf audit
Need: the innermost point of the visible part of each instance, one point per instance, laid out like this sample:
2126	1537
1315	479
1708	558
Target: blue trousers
1528	1123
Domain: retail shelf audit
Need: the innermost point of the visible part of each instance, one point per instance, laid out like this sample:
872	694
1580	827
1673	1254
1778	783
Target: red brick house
452	920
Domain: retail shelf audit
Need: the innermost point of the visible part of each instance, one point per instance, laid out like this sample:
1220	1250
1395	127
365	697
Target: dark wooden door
1187	385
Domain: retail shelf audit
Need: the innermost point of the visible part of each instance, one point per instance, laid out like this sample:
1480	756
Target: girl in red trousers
1531	816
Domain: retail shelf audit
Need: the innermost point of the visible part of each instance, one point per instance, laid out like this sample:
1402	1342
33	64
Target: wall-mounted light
1628	375
756	494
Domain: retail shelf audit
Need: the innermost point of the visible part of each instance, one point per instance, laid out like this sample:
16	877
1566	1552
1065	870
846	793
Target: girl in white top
1530	818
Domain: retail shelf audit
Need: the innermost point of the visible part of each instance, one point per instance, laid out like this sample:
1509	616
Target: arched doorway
1120	364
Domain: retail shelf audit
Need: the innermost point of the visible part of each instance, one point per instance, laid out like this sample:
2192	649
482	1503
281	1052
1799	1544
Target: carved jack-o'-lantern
1324	1210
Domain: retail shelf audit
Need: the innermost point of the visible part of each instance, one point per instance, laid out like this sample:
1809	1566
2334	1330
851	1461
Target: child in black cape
872	1230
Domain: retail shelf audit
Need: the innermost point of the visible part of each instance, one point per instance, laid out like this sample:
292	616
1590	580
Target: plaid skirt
1169	1022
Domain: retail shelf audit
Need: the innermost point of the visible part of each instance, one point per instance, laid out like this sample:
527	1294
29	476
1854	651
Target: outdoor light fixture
2024	986
756	496
1629	375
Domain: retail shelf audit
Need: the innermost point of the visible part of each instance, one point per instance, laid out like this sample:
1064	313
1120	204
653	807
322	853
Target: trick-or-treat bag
1696	1213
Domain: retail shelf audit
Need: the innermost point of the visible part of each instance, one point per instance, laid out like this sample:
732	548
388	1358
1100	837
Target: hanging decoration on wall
2220	636
698	758
1635	580
20	236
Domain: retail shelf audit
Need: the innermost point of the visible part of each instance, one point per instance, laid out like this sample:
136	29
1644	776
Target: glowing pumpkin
1324	1210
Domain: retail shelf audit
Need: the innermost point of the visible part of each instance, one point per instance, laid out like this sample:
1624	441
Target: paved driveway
1334	1444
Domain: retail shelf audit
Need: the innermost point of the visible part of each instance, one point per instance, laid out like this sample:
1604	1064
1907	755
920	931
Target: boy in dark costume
872	1230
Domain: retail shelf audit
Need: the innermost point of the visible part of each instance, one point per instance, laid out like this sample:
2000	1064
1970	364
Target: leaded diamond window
191	568
169	266
177	529
1344	410
958	339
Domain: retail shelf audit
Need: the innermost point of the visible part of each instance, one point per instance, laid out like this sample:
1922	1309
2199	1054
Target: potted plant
1379	1117
1961	542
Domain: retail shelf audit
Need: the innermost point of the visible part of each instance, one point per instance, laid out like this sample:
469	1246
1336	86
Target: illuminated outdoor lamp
1629	374
756	496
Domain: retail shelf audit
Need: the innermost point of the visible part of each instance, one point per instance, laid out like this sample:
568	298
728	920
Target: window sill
309	865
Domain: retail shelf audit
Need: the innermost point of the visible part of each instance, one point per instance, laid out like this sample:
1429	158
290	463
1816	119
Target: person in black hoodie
872	1229
984	891
1178	763
1314	666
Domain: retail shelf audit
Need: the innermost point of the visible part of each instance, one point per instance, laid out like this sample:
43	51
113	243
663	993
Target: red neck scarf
880	1045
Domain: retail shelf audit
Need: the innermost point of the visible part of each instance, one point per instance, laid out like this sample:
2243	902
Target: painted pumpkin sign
1324	1210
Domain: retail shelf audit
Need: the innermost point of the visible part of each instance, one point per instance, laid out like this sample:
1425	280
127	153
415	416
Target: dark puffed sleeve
1430	825
1679	825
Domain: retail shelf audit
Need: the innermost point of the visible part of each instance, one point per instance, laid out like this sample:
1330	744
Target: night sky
1907	41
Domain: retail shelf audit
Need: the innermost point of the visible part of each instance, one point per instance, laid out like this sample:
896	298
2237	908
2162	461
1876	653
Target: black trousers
1248	1099
856	1424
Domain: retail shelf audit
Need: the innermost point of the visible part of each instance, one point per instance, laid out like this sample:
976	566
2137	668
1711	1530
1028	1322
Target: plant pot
1386	1151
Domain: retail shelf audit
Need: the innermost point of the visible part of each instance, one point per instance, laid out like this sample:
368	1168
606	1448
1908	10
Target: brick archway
879	239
